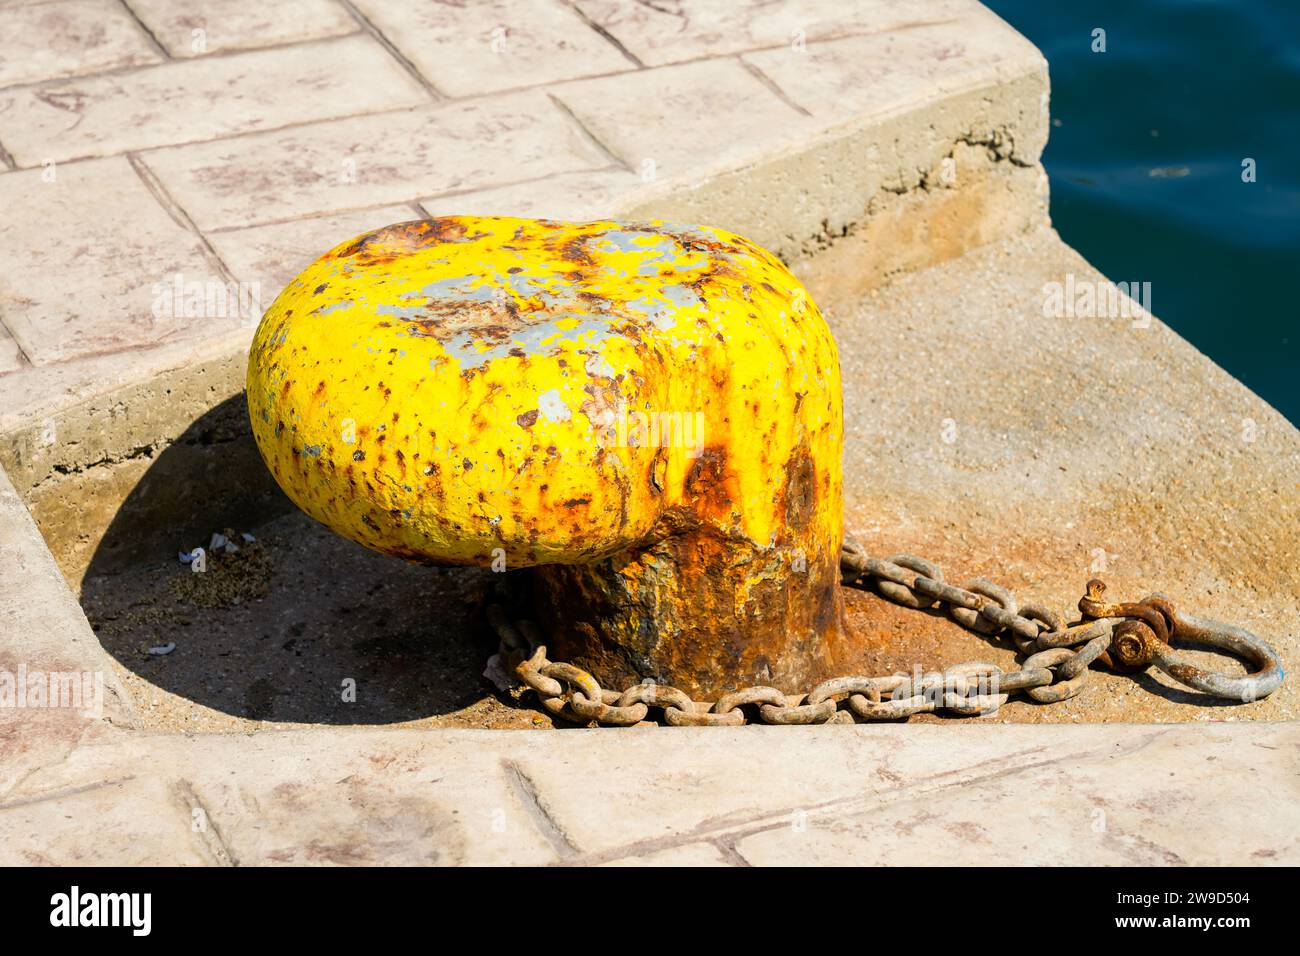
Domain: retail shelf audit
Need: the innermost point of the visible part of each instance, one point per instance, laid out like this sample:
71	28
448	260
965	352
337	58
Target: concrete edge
37	604
57	684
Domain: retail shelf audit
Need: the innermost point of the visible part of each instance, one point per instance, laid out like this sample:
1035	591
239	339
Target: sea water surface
1146	157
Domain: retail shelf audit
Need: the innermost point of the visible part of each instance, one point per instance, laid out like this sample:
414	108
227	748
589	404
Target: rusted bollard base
698	612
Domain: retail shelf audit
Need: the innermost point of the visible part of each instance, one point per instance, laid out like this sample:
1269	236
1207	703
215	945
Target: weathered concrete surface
517	44
811	187
202	99
76	470
1042	451
920	795
43	631
187	30
52	40
74	294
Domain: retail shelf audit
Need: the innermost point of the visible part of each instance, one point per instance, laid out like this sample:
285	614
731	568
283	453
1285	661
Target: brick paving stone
240	24
10	355
685	119
690	854
577	197
128	821
662	33
839	79
51	40
469	49
82	254
273	255
202	99
374	160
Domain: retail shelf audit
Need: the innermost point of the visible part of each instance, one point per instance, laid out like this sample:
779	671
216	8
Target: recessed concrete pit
1012	499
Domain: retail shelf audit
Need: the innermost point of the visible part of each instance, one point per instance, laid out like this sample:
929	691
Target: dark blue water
1189	90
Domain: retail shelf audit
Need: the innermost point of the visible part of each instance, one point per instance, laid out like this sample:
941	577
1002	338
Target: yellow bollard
648	414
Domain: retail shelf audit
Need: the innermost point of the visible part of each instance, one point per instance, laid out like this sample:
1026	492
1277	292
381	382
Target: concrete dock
890	153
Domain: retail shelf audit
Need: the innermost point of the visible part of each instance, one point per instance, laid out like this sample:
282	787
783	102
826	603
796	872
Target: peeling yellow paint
442	389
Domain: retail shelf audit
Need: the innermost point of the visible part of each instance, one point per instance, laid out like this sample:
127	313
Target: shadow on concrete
298	626
302	626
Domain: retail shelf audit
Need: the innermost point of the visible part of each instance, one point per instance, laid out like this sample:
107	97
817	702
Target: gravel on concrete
270	636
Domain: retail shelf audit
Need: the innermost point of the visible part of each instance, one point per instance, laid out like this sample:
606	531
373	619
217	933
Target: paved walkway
868	795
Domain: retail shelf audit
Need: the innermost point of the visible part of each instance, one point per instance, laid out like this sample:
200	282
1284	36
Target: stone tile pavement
1100	795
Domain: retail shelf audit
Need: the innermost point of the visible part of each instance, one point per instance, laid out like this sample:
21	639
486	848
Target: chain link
1126	637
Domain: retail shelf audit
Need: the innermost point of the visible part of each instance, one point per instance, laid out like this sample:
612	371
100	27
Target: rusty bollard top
513	392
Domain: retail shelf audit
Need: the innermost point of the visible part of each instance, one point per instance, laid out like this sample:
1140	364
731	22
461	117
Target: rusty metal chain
1125	637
